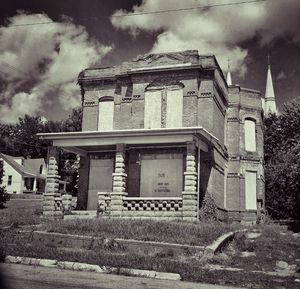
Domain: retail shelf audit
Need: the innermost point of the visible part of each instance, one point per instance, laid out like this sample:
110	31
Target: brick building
160	132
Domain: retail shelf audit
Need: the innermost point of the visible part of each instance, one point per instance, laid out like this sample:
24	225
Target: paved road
30	277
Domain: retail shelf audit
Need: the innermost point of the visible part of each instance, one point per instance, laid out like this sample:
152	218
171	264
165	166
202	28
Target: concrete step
81	215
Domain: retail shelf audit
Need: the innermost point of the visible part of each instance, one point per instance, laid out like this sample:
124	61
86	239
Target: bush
4	196
208	209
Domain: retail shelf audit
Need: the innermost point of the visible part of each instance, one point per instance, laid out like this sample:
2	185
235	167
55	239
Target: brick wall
243	104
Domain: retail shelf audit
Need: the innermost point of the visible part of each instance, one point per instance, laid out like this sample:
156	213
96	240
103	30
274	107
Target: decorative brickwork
52	202
104	203
119	182
190	194
152	204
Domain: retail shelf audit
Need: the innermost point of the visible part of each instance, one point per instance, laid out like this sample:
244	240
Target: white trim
127	132
71	142
177	65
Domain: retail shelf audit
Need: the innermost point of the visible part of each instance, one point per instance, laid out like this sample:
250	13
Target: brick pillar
190	194
52	205
119	182
104	200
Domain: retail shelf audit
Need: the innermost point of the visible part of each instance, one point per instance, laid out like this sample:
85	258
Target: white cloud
219	30
40	63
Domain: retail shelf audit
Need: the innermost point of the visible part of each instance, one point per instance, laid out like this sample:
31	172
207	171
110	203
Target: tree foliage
4	197
282	162
21	139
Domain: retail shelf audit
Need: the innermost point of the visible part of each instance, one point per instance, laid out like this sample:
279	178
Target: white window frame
250	135
174	111
251	190
153	109
105	118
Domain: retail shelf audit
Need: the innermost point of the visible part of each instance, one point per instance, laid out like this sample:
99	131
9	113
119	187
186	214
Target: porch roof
79	142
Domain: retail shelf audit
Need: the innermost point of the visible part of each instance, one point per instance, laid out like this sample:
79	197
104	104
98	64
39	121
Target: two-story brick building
160	132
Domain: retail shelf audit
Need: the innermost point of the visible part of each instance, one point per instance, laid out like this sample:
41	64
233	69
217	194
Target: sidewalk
36	277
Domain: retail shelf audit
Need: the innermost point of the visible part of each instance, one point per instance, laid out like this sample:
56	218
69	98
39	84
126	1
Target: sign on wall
162	176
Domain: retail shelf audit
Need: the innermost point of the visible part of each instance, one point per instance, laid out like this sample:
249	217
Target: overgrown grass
21	212
191	270
275	243
146	230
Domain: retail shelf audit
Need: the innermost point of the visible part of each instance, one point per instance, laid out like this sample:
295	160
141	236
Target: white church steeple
270	102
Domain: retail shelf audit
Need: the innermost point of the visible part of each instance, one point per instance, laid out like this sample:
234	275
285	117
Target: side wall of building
17	182
244	105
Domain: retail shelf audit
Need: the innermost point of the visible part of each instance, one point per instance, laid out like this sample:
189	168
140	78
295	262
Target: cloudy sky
39	64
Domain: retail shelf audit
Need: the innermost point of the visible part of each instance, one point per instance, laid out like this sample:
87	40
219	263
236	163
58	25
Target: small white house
23	175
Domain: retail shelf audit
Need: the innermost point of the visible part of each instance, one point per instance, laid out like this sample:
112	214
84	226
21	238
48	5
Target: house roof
30	168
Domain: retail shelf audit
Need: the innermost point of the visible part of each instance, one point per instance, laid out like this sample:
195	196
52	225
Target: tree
282	162
73	122
21	140
4	197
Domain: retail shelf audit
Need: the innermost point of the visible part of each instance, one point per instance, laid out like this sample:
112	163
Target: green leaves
282	162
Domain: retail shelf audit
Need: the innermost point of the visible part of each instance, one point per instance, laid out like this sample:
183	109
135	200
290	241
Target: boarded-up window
174	108
250	190
106	115
161	175
250	135
100	180
152	115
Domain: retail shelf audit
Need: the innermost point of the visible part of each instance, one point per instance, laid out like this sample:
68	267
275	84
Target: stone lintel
116	193
187	193
191	173
119	174
52	176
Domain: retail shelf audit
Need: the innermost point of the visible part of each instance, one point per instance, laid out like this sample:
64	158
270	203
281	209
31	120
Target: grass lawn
275	243
190	268
145	230
21	212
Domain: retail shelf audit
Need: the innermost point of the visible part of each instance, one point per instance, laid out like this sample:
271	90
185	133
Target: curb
90	242
218	244
76	266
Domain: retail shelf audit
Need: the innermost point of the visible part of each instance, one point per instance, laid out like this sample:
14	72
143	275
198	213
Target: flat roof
78	141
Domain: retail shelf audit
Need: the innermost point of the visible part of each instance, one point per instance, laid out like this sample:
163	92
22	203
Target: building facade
158	134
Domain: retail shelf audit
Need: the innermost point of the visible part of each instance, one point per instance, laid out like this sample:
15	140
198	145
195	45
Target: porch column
51	196
119	182
190	194
34	185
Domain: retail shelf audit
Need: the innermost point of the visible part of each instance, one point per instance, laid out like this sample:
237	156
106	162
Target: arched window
41	169
105	113
250	135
